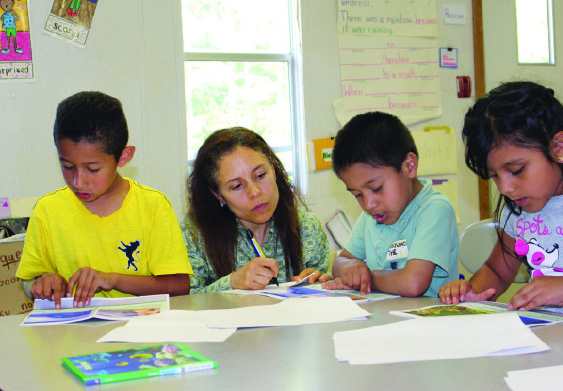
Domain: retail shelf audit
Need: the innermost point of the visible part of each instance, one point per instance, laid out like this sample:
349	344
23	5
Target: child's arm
411	281
88	281
50	286
490	281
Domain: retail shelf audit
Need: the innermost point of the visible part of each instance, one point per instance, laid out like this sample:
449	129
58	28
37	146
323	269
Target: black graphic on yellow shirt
129	250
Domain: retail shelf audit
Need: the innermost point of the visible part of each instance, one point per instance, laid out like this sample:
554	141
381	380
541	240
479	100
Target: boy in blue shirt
101	234
405	241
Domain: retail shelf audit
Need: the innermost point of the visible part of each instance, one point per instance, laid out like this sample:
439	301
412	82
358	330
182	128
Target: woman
238	186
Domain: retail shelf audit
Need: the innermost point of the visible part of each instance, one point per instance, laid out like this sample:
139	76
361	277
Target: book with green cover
135	363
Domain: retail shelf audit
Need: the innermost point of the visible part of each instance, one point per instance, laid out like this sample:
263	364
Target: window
243	68
534	29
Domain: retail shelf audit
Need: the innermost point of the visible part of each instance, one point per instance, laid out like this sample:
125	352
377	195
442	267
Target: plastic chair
477	241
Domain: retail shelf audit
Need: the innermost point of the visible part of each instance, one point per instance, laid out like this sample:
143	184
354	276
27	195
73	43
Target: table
276	358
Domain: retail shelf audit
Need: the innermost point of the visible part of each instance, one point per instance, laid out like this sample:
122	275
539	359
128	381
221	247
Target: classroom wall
144	68
128	55
501	54
322	85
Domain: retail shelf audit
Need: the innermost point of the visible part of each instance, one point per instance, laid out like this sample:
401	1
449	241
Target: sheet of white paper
171	326
290	312
150	334
438	338
544	379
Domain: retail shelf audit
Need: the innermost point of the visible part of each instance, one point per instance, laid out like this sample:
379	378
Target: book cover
119	308
135	363
529	318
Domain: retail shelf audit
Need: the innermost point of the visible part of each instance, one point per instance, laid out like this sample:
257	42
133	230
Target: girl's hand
256	274
50	286
86	282
316	275
461	290
542	290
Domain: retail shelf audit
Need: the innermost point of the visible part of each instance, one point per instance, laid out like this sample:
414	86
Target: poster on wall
70	20
388	59
15	41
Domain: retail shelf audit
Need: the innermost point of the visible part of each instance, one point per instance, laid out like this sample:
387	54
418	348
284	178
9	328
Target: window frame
294	61
550	37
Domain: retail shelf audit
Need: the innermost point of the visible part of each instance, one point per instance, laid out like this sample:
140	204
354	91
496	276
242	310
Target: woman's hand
256	274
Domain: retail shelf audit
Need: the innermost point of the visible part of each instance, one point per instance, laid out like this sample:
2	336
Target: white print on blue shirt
398	250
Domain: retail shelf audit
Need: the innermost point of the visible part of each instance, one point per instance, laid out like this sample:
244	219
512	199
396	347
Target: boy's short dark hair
95	118
376	138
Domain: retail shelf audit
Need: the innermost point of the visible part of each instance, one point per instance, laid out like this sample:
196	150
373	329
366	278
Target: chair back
477	242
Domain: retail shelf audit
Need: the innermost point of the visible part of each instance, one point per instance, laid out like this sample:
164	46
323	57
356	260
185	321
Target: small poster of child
70	20
15	41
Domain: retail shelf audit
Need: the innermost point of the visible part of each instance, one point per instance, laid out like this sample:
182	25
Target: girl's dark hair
376	138
521	114
218	225
94	118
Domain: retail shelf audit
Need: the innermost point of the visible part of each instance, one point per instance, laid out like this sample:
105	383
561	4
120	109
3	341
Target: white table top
276	358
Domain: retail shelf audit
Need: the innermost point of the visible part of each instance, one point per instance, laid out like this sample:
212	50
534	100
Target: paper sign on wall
437	152
71	20
455	14
323	153
15	42
4	208
448	187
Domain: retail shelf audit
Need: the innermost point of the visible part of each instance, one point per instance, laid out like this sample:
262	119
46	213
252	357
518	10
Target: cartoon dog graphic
539	260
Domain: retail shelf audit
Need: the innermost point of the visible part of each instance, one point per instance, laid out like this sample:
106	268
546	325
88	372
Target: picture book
135	363
122	308
529	318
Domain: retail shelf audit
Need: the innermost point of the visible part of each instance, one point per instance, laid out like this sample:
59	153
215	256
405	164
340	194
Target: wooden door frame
479	63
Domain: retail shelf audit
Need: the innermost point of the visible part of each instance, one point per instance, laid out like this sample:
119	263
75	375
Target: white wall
128	55
139	61
322	85
501	54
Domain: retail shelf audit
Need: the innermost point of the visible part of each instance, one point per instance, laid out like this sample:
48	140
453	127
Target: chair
477	241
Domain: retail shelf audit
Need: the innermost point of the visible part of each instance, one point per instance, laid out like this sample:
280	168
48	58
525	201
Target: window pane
255	95
534	21
236	26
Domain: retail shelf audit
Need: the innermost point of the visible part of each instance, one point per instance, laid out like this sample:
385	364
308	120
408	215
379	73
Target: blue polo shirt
426	230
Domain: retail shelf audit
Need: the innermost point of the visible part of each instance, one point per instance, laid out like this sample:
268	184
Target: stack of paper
545	379
437	338
218	325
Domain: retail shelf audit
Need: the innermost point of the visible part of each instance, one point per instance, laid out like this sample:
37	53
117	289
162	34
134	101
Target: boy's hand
461	290
316	275
543	290
88	281
335	284
50	286
256	274
357	275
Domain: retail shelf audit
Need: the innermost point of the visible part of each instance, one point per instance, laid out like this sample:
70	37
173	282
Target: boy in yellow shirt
101	234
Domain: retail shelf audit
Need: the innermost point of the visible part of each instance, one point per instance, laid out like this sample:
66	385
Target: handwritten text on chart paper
388	17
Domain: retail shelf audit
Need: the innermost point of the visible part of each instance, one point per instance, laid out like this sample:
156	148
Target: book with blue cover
135	363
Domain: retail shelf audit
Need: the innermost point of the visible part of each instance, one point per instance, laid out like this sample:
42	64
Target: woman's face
247	185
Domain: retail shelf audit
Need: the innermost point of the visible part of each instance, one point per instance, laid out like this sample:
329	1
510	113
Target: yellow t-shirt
142	238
